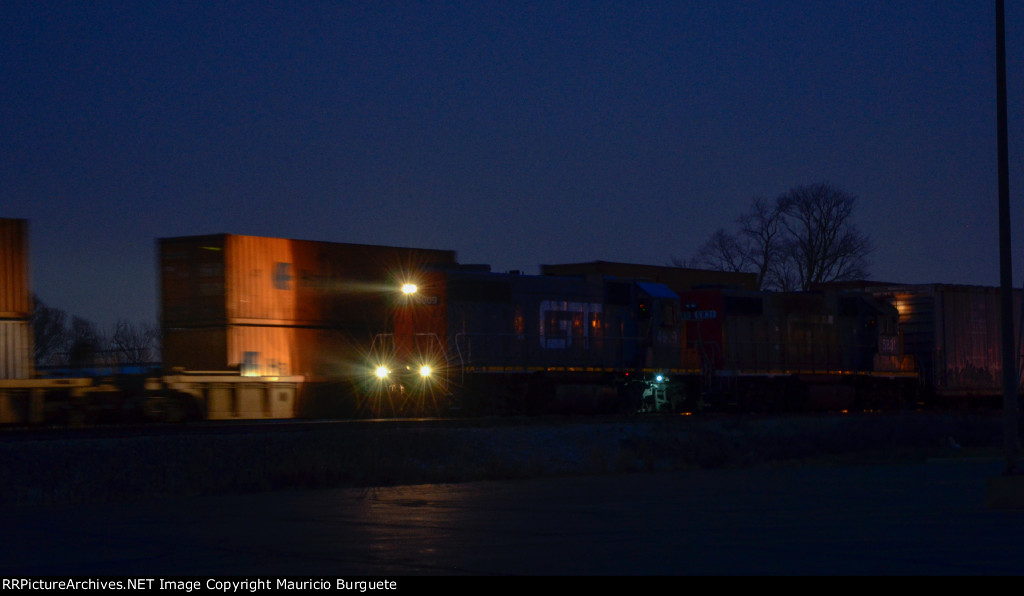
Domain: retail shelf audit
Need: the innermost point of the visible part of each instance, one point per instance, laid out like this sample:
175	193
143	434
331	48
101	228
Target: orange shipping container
254	280
15	296
276	350
278	306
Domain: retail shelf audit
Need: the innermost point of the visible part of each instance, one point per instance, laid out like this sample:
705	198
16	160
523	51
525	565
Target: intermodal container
241	279
15	349
953	331
274	306
15	296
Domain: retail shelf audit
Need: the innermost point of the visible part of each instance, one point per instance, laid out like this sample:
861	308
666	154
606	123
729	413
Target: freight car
138	398
952	331
509	343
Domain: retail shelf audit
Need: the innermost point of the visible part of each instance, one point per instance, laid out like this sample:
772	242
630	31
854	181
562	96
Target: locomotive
508	342
796	351
471	339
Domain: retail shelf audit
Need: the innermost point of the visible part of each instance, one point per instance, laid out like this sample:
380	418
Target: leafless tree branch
804	237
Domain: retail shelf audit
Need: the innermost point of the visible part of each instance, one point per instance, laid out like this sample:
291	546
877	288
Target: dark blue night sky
516	133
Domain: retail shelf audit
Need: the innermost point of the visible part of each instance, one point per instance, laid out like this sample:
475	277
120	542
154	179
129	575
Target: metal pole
1011	440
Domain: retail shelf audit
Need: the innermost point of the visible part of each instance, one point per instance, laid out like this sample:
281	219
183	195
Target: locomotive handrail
373	343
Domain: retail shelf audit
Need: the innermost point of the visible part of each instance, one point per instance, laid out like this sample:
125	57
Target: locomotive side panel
576	324
793	350
703	339
500	322
556	342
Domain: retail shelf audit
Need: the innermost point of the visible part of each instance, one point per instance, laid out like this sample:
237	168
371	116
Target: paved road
927	518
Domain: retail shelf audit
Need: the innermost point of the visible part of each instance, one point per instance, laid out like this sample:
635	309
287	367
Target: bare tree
50	332
723	252
760	229
84	345
754	248
803	237
81	345
822	244
134	344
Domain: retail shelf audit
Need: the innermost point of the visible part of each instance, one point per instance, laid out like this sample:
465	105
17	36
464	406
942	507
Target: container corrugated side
203	348
15	295
953	333
970	323
314	354
192	289
271	350
15	350
232	279
351	286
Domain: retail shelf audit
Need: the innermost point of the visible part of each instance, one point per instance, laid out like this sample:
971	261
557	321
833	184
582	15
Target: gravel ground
83	469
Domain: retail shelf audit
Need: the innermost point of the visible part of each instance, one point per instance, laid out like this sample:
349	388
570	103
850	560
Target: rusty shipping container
678	279
278	306
15	296
953	331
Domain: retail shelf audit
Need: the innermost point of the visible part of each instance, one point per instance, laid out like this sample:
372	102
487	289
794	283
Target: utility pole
1011	439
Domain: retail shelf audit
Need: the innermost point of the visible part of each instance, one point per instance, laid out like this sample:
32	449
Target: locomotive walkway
924	518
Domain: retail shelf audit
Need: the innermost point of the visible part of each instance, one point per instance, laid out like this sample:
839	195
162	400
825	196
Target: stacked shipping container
15	301
275	306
